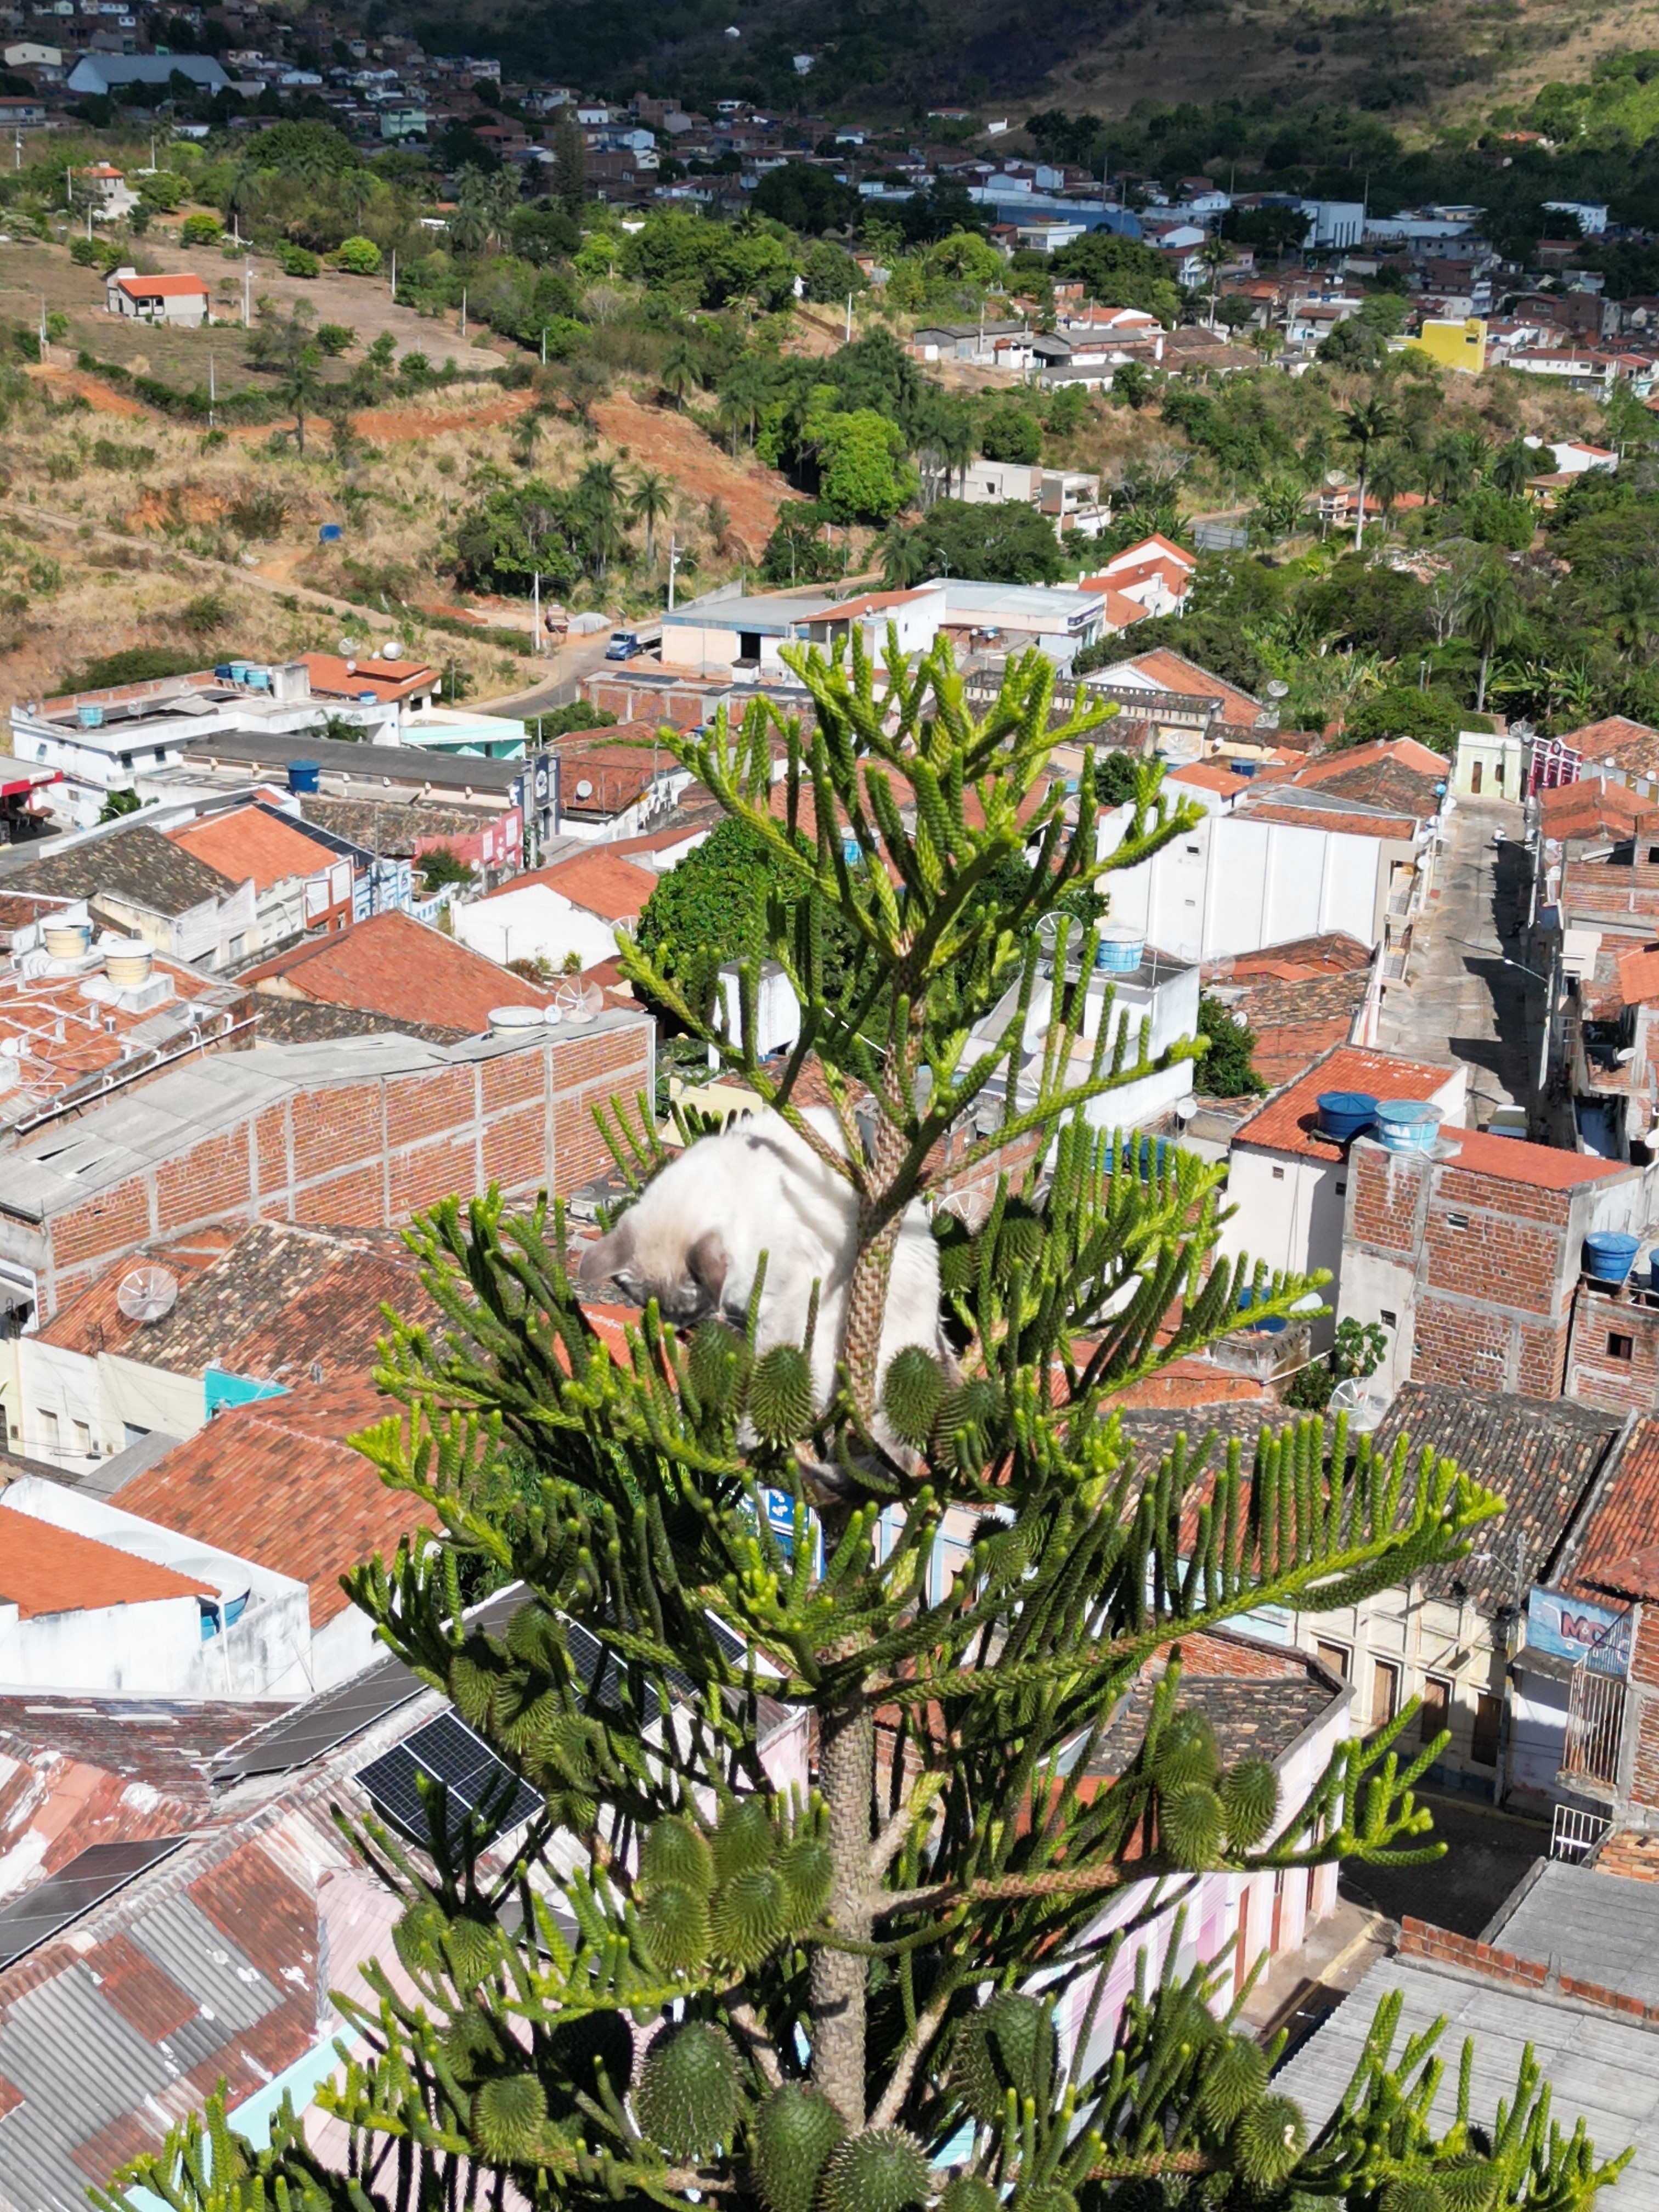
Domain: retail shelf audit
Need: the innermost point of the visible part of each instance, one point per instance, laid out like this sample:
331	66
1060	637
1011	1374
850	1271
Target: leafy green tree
796	552
651	501
711	909
1430	715
543	233
1010	434
861	476
358	257
1003	542
851	1991
681	372
831	273
441	865
809	200
1360	1350
1492	615
1227	1069
1119	272
569	167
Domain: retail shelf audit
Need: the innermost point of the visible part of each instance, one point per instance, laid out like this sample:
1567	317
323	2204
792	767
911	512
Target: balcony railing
1575	1833
1596	1732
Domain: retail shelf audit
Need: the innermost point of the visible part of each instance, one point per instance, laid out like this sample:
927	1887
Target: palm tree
651	501
600	493
1365	425
1511	467
1390	474
1267	340
681	372
1280	510
1214	251
732	412
1492	612
299	386
903	563
1454	463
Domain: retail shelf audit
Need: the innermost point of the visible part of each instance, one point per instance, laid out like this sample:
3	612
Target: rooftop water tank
1609	1256
304	776
1407	1125
1344	1113
127	962
258	680
1120	949
66	941
505	1020
90	718
1273	1326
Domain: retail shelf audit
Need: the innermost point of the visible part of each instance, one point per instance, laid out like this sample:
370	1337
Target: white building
1158	997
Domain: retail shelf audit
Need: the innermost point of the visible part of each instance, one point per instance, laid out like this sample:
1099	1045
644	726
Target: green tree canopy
808	199
1119	272
1000	543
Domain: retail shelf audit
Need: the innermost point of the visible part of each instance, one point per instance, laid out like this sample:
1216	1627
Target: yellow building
1462	346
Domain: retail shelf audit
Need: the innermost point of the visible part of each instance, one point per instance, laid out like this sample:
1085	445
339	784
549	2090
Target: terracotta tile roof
334	677
1299	999
250	841
600	882
1610	890
1210	776
393	964
1120	612
1331	952
1172	672
1595	806
308	1021
388	825
1281	806
63	1040
140	867
1630	746
275	1482
1259	1699
45	1570
1541	1454
269	1301
1541	1167
162	288
1289	1120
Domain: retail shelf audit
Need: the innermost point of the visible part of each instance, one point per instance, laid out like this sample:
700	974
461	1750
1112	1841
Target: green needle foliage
857	2001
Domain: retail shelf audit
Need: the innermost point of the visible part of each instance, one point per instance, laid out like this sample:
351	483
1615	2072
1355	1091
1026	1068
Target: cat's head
654	1252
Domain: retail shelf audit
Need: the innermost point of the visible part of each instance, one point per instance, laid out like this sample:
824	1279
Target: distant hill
1404	59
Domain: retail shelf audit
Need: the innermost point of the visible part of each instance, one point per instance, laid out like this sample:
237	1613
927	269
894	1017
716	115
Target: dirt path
103	398
654	437
406	426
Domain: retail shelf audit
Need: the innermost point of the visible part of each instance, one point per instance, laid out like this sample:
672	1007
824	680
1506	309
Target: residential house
172	1335
395	966
133	880
182	300
300	887
1470	1254
570	913
406	687
361	1132
1288	1169
1299	1000
1154	572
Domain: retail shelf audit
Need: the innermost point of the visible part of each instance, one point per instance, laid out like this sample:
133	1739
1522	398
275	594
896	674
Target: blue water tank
331	533
1344	1113
1609	1257
1407	1125
1120	949
89	717
304	776
1271	1328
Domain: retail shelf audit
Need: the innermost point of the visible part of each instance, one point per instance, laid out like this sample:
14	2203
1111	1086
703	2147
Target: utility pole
43	326
536	614
544	345
213	393
849	319
673	566
247	295
463	311
394	276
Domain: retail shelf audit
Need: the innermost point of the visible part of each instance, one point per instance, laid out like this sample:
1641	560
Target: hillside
1409	59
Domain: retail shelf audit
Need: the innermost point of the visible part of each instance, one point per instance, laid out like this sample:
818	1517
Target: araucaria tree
682	1986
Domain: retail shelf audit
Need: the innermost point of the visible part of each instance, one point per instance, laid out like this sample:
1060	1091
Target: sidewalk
1301	1986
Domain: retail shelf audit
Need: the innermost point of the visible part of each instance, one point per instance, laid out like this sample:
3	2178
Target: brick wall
1595	1372
1494	1264
1418	1940
370	1153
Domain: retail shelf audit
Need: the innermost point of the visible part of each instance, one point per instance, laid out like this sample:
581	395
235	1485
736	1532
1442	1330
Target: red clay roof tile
46	1570
393	964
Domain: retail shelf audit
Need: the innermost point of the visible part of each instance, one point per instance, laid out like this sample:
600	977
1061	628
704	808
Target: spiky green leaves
781	1400
737	1896
717	1367
791	2137
751	1915
969	1423
882	2170
1192	1825
1407	2195
744	1838
912	1392
1238	2077
675	1851
1268	2141
676	1924
689	2091
1186	1752
1472	2186
1008	2043
966	2192
1249	1799
508	2115
808	1870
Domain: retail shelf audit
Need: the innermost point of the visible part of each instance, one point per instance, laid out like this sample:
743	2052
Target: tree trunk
1480	688
1359	526
847	1745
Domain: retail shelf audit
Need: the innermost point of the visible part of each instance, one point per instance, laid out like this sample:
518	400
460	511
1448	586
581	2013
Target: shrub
1012	435
200	230
440	866
135	663
84	252
111	453
298	261
358	257
334	338
258	512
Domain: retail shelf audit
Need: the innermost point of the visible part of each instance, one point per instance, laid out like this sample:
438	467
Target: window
51	1432
1620	1347
1335	1657
1388	1319
1457	1221
1385	1692
1436	1709
1653	856
1194	850
1488	1714
83	1439
1342	1190
1278	1175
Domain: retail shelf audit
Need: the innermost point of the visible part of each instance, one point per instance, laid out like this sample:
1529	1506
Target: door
1385	1692
1488	1714
1435	1708
1475	780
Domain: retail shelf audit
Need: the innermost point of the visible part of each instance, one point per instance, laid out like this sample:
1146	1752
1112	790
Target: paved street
1460	999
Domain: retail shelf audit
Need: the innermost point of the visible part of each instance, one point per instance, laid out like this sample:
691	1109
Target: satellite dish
392	649
584	789
1048	931
578	1002
347	645
1278	689
146	1293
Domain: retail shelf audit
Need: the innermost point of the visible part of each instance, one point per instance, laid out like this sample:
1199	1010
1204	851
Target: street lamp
1491	952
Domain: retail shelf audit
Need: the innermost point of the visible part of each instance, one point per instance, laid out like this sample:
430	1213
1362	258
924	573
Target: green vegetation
850	1991
1360	1350
1228	1068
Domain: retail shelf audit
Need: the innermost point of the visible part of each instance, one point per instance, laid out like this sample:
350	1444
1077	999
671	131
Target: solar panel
310	1729
446	1750
91	1877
